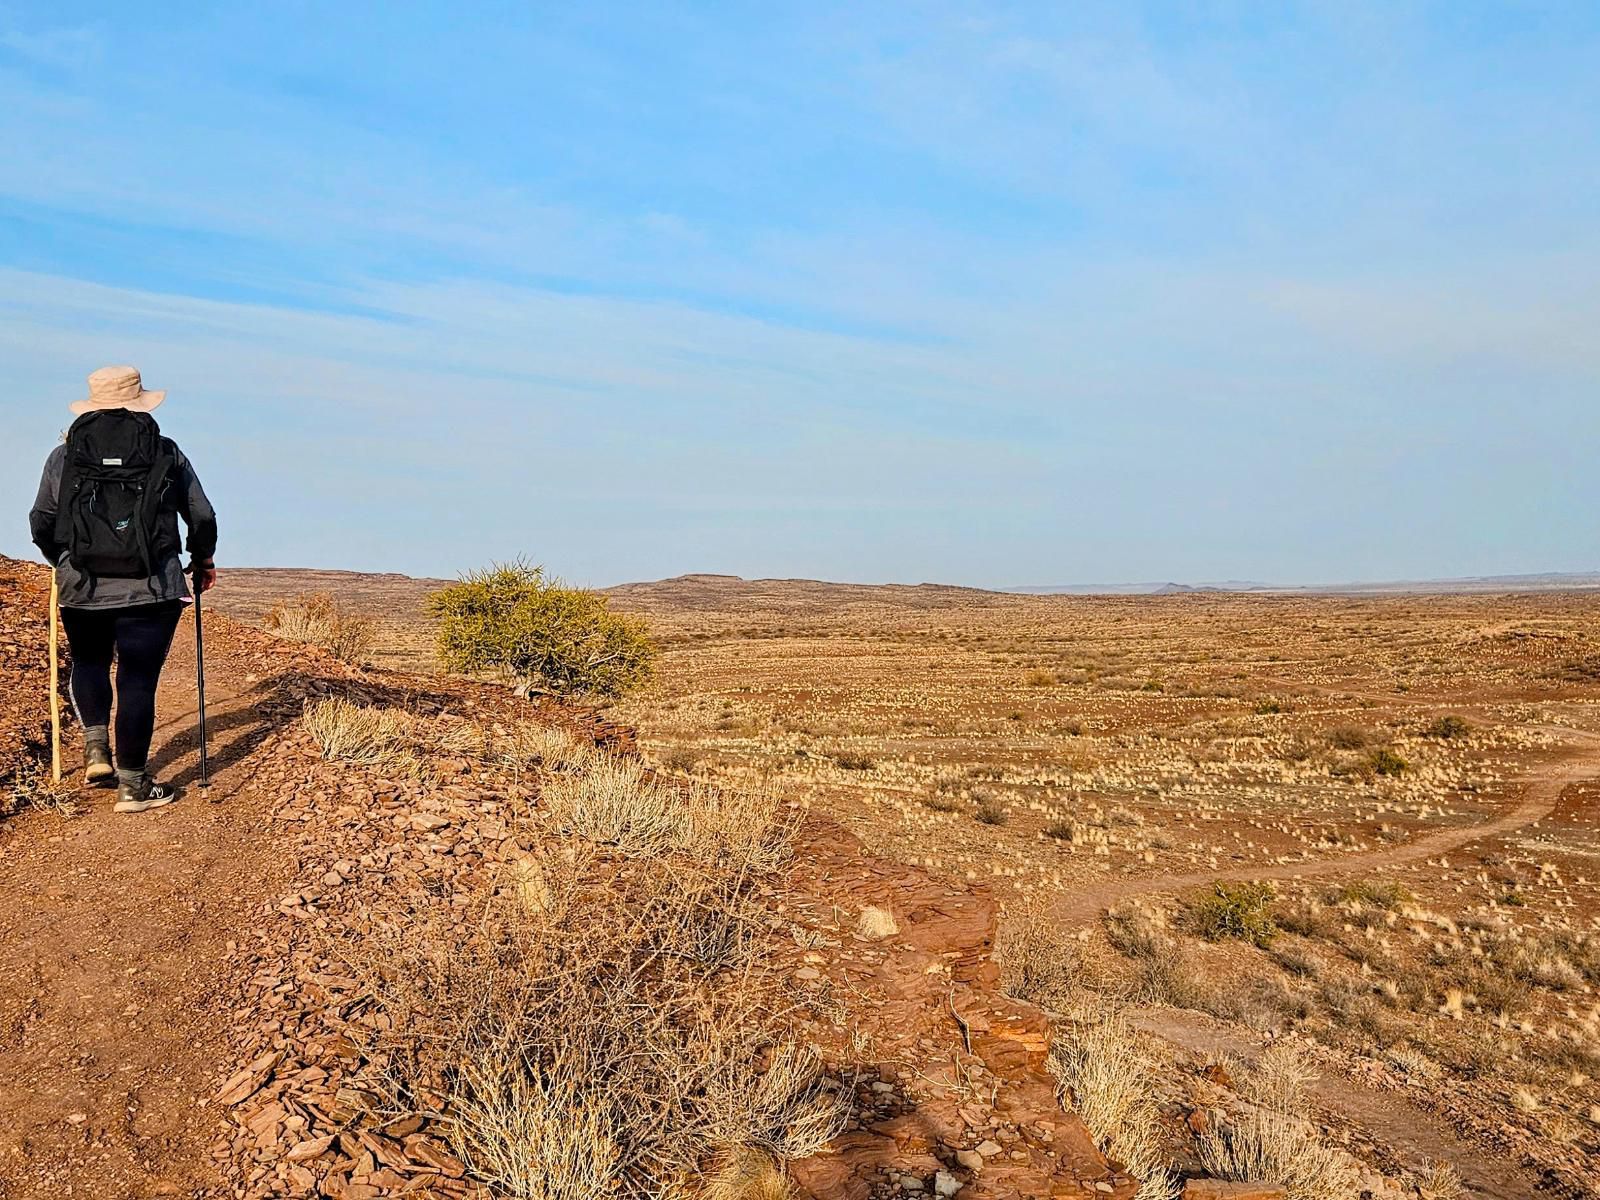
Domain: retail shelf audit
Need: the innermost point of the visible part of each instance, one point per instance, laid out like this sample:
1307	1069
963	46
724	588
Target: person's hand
205	575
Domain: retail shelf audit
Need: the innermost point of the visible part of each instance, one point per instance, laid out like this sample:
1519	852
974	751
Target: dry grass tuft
619	802
1441	1181
1113	1089
1279	1078
372	737
30	786
745	1173
876	923
319	619
1270	1147
530	747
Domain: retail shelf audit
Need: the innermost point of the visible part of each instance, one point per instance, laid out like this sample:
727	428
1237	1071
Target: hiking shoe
97	768
147	793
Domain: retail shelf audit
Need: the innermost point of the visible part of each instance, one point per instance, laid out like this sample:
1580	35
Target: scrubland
1309	885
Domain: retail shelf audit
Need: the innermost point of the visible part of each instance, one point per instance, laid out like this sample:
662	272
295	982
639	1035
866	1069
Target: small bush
1037	963
1370	894
1235	910
1447	728
1386	762
1349	737
585	1050
1040	678
852	761
682	759
318	619
513	621
990	811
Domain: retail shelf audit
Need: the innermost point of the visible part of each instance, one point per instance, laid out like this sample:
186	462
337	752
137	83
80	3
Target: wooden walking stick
55	680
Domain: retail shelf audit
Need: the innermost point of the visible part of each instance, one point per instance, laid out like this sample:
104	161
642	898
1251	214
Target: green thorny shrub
515	622
1235	910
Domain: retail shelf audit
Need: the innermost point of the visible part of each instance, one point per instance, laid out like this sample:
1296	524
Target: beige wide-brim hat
117	387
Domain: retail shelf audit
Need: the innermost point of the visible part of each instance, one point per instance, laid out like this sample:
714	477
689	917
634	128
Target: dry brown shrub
29	786
319	619
1350	737
1037	963
579	1043
990	811
1163	971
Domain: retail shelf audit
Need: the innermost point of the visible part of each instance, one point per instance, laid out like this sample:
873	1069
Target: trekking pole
200	676
55	679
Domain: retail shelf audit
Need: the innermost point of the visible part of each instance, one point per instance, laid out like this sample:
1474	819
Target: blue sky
991	294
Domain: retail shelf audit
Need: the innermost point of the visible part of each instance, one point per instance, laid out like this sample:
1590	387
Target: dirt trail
1541	790
1416	1135
113	938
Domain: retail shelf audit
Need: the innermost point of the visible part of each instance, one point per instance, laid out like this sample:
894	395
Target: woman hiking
107	519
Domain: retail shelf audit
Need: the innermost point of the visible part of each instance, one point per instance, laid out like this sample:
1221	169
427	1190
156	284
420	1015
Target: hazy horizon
1109	293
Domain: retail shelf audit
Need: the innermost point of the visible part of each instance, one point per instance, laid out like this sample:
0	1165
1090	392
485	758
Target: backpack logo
110	462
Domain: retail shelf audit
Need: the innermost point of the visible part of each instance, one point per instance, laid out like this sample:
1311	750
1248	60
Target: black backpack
114	486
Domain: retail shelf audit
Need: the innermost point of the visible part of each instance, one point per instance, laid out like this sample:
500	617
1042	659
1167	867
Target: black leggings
141	638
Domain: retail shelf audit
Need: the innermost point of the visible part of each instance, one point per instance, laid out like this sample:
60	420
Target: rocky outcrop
952	1088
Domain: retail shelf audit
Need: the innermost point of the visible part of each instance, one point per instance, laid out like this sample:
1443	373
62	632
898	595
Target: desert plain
1342	850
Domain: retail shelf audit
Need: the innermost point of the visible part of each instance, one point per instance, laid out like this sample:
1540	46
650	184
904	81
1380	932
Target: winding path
114	940
1540	791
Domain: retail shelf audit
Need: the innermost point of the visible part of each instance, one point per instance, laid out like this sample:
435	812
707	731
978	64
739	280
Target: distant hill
1551	581
248	592
1136	589
1554	581
723	592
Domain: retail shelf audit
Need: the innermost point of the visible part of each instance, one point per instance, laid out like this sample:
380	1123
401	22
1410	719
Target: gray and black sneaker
146	793
97	768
